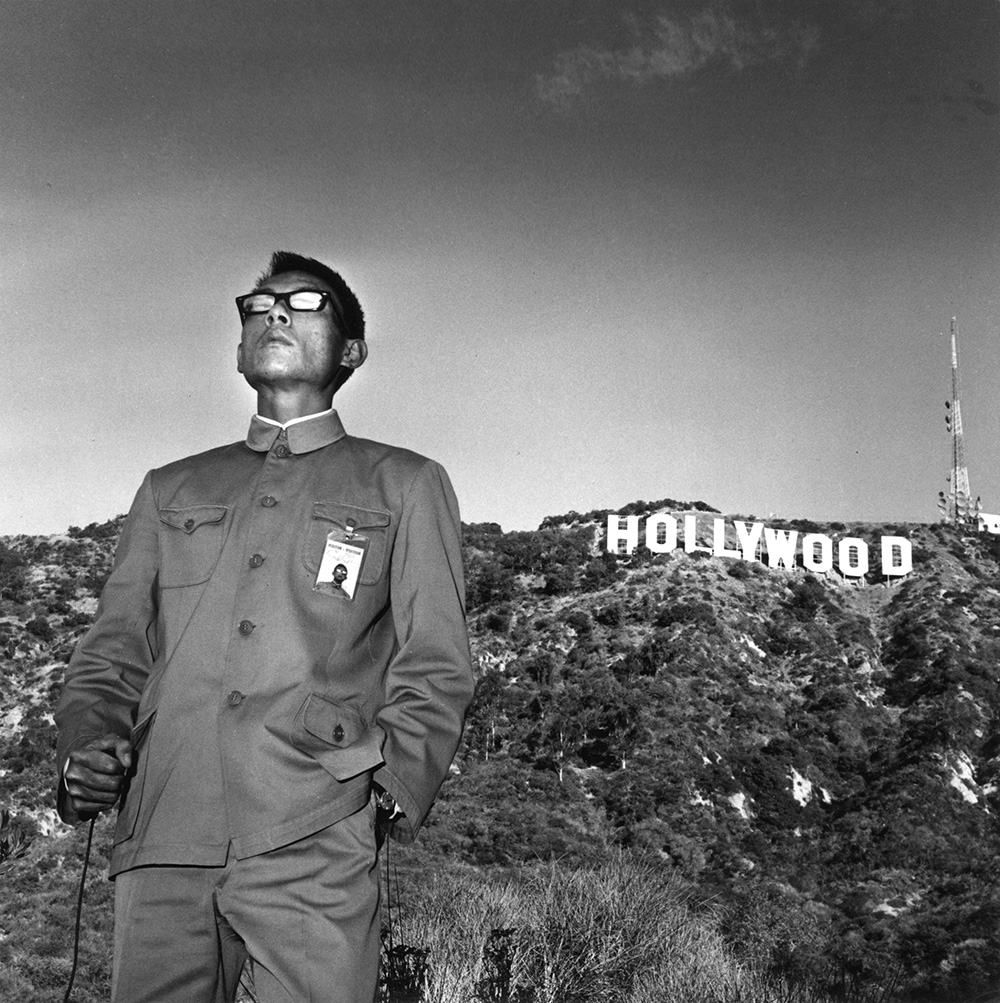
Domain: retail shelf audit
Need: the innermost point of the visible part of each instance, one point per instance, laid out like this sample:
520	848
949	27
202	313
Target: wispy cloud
677	46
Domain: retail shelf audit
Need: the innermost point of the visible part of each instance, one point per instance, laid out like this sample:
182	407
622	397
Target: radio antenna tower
957	506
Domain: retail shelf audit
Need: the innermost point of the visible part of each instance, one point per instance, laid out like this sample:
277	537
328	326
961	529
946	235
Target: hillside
815	759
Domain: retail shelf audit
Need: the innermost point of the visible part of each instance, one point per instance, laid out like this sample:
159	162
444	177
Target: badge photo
340	567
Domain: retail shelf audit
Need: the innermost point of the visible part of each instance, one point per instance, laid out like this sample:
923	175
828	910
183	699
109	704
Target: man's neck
285	407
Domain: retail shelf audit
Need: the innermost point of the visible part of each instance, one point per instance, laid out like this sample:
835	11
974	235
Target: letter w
780	547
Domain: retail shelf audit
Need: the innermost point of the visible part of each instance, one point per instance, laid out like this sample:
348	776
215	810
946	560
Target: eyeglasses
300	300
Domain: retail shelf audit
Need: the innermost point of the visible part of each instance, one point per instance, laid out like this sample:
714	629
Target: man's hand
95	773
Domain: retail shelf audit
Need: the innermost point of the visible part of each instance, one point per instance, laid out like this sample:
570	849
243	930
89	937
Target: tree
12	575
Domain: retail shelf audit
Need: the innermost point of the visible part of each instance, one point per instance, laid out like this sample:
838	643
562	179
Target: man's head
339	574
300	343
350	314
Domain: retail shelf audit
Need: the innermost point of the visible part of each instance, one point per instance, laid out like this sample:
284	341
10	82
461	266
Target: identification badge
340	566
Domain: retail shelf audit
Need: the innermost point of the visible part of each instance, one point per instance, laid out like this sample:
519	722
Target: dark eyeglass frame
276	298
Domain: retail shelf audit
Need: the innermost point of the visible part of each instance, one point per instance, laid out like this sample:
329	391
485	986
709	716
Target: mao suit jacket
261	708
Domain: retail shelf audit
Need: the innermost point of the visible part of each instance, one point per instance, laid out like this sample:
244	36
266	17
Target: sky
607	250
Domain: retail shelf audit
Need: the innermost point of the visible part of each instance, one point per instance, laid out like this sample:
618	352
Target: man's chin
270	373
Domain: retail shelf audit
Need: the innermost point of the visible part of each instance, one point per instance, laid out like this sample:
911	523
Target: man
254	718
336	585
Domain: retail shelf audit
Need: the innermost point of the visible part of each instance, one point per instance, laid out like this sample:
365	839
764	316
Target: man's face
286	348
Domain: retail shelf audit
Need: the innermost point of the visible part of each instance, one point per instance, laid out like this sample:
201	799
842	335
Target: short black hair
350	309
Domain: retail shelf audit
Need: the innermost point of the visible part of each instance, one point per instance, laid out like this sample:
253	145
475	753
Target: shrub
498	620
808	597
610	615
579	621
685	612
488	582
13	843
624	931
41	628
599	573
12	576
559	581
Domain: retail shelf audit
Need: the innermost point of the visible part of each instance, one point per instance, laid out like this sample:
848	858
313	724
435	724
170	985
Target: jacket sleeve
429	682
107	673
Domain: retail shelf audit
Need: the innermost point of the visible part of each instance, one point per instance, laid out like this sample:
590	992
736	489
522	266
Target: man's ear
355	353
239	357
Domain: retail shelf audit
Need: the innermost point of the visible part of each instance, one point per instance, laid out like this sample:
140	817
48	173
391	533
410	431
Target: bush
579	621
808	597
488	582
13	843
559	581
685	612
497	620
610	615
41	628
599	573
623	931
12	575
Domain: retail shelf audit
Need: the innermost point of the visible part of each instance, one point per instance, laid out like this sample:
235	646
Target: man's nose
278	314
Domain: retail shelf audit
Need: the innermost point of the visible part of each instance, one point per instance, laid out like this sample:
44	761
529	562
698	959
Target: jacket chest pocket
372	524
191	540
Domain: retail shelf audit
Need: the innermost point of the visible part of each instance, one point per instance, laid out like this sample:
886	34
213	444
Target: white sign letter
844	549
889	565
617	536
653	526
749	540
719	548
824	562
691	534
780	547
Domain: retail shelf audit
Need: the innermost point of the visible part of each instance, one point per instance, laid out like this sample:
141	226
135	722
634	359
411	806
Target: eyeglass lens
303	299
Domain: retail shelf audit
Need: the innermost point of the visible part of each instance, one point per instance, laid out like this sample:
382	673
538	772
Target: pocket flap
340	515
190	518
337	738
332	722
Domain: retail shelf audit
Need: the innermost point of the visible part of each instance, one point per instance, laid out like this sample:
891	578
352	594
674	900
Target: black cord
388	898
79	911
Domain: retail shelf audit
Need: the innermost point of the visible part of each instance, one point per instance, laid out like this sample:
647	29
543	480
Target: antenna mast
957	506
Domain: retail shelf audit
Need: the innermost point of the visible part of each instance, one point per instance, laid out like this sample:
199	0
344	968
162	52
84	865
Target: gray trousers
306	914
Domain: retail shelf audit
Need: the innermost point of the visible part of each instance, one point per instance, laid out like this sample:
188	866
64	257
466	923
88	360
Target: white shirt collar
294	421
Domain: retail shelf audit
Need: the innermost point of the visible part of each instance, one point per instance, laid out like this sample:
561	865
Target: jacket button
256	561
338	733
246	627
234	698
281	450
269	501
189	523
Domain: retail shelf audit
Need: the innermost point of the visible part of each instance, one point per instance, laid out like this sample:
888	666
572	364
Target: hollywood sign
661	534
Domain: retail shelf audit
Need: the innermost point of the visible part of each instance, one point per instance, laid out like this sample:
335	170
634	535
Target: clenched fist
95	773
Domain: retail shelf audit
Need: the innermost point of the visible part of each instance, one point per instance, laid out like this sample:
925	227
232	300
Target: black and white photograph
500	501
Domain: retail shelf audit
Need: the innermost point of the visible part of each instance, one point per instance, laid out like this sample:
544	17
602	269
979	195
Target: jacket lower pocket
337	737
131	796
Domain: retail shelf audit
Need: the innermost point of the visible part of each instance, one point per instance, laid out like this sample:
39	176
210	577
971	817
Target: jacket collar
302	437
